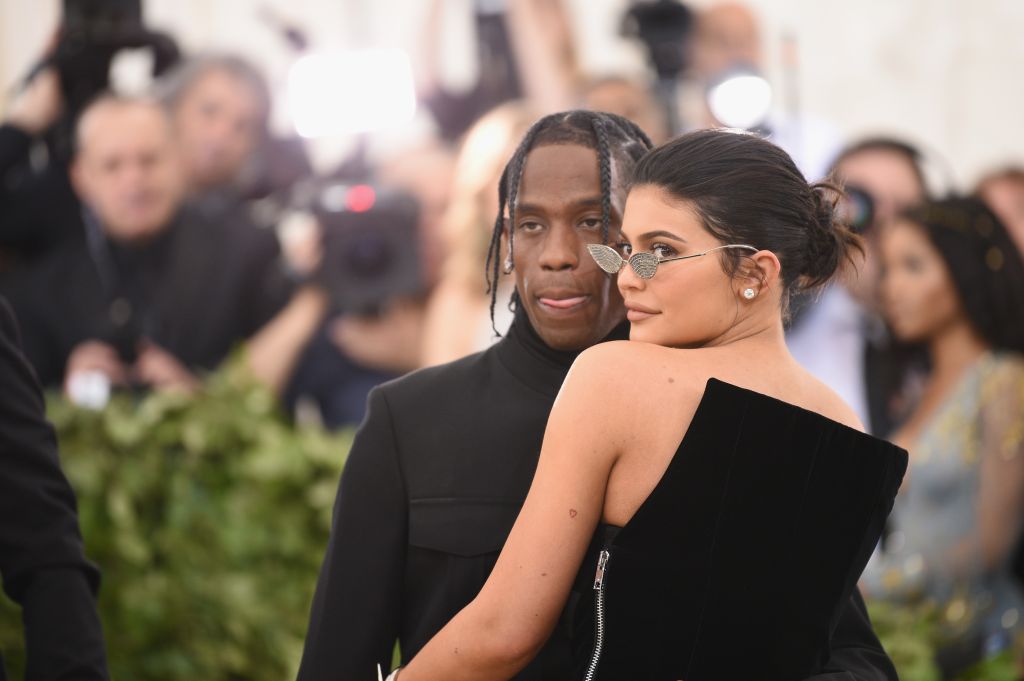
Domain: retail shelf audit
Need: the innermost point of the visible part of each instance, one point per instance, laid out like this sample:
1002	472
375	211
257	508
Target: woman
716	490
954	282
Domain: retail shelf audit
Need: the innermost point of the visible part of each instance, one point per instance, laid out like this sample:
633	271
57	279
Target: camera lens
857	209
369	256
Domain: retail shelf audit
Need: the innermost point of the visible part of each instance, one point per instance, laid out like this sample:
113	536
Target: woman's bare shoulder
637	373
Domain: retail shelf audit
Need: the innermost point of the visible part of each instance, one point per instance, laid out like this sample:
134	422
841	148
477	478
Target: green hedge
209	517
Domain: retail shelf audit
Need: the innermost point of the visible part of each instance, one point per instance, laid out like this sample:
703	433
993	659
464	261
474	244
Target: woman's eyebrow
647	236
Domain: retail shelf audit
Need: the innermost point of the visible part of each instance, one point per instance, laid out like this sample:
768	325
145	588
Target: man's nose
560	250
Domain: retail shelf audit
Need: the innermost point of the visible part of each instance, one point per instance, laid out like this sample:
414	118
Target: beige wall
947	73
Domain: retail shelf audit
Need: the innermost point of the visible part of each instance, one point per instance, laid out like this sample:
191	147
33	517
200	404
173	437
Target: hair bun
829	241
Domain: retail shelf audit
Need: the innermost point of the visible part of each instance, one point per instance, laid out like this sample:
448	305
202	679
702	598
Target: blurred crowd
147	239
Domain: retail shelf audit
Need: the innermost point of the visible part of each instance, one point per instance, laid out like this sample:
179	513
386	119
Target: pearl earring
749	293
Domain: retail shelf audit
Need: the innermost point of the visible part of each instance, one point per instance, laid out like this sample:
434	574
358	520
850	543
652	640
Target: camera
856	209
92	33
371	244
664	27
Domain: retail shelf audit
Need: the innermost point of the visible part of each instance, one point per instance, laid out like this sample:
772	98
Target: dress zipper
602	565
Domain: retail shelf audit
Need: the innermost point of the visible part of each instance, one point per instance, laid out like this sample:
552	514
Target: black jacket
198	289
433	484
38	208
41	558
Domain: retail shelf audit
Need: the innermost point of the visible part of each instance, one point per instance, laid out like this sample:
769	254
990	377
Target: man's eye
591	223
623	248
529	226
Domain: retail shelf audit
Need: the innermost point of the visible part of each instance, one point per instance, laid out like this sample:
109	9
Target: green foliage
912	634
208	517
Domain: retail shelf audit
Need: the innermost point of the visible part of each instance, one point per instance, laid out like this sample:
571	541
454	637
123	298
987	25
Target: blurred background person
1003	191
728	44
954	281
841	337
220	105
629	98
156	292
38	209
458	321
522	49
354	347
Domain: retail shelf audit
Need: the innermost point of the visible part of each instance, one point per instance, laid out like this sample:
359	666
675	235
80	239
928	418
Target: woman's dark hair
746	190
611	136
984	264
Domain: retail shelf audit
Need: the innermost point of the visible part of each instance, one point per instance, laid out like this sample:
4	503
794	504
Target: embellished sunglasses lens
644	264
606	258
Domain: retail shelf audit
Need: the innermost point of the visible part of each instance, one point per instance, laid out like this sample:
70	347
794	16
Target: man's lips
562	300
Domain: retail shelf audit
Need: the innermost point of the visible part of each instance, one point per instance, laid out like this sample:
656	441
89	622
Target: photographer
38	208
840	337
157	291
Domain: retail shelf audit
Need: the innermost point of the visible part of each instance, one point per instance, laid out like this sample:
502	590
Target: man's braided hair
611	136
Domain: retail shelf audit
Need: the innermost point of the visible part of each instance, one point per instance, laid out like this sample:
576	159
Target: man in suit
41	558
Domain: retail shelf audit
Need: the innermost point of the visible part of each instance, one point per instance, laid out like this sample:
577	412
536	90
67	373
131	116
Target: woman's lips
638	314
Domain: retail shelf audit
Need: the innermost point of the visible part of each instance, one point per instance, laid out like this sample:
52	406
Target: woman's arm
506	625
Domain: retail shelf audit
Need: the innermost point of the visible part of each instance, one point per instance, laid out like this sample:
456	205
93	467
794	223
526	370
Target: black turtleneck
433	483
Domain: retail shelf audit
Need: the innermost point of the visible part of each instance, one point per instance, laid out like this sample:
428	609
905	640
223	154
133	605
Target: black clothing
38	208
196	290
433	484
41	558
766	513
337	385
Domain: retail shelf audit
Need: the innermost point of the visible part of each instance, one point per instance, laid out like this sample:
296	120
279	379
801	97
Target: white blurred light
351	92
742	101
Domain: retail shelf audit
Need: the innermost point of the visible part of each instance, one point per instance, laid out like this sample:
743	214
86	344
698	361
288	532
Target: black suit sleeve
857	654
41	557
357	607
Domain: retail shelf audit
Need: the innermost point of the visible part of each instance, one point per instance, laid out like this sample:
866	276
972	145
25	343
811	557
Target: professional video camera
371	242
92	33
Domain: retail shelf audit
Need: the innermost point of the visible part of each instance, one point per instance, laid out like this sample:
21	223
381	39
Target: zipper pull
602	563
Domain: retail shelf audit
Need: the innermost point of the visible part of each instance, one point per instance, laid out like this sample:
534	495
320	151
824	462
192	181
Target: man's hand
39	105
95	356
389	342
162	370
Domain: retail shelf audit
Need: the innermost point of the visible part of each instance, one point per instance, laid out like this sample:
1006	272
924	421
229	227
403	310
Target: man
41	559
156	291
841	338
442	463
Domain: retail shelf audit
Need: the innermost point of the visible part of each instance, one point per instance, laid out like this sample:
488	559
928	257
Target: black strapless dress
767	513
